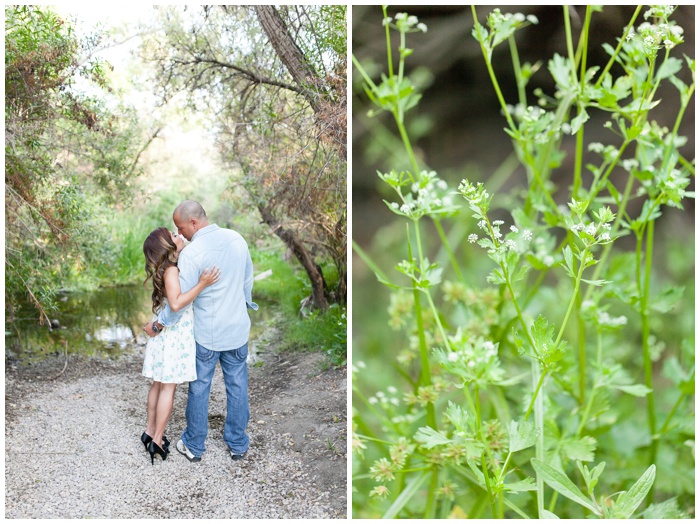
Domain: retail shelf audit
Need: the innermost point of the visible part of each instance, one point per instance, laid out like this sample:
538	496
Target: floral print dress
171	355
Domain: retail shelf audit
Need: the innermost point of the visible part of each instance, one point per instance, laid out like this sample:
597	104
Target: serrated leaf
582	449
596	282
522	435
431	438
628	502
460	418
577	122
667	300
527	484
560	483
667	509
569	261
637	390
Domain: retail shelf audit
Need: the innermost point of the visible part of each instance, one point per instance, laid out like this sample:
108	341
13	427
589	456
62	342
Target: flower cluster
428	195
405	23
655	36
591	232
472	359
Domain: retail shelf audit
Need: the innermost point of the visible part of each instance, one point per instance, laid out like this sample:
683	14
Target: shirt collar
204	231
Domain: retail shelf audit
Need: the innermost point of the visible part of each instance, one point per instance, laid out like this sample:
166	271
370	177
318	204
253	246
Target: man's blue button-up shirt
221	320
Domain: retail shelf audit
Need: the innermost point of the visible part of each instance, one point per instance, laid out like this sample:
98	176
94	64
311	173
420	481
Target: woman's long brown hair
161	253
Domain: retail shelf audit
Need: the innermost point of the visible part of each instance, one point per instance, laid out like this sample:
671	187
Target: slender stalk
613	58
448	248
672	412
648	370
422	344
539	424
430	503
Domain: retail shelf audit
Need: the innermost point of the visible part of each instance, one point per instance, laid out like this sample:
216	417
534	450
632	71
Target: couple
214	273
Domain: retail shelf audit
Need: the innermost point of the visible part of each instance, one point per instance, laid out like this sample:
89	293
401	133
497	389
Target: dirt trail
296	466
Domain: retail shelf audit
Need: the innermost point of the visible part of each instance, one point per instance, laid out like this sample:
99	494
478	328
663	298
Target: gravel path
72	450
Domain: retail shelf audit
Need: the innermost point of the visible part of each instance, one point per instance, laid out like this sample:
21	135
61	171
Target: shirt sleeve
248	283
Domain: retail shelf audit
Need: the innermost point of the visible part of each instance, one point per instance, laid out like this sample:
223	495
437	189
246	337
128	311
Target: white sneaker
183	449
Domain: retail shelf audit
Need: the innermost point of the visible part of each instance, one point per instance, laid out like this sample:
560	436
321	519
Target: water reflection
104	324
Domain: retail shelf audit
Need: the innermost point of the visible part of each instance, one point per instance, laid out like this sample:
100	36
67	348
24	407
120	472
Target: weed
520	396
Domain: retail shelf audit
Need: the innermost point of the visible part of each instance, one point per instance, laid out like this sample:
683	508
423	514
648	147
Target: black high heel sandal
146	439
154	448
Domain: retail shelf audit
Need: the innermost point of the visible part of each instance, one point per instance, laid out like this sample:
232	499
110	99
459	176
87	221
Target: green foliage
67	156
317	330
526	349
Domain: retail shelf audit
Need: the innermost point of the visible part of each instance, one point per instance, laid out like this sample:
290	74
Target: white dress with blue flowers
171	355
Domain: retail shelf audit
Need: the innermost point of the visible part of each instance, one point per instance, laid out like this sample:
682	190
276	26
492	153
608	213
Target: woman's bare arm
178	300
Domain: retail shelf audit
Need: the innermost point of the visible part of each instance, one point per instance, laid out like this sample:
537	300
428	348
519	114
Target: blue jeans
235	370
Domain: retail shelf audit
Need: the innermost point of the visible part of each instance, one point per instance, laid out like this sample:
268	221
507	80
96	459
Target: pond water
106	324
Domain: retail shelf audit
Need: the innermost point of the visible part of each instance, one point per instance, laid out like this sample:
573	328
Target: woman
170	355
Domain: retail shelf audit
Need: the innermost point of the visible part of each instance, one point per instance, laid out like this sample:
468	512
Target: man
221	327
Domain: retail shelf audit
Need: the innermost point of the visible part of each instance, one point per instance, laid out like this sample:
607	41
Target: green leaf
668	299
527	484
569	261
628	502
431	438
560	69
548	515
560	483
577	122
582	449
595	282
667	509
637	390
521	435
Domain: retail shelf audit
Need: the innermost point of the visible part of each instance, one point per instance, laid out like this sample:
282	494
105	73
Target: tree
66	155
275	82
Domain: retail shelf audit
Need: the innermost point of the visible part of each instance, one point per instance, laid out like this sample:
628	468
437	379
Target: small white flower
415	187
395	205
482	224
514	229
605	237
471	364
497	222
422	27
372	400
392	390
395	401
453	357
473	238
590	229
442	185
510	244
527	234
387	20
532	19
497	234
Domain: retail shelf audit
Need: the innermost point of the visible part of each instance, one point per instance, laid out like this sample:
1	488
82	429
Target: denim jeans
235	370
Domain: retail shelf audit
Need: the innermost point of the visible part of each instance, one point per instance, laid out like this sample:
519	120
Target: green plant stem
621	41
492	76
648	369
539	425
422	344
673	411
450	252
430	503
390	61
522	98
581	351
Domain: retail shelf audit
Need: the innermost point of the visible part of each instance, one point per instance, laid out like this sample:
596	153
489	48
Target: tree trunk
292	241
287	49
